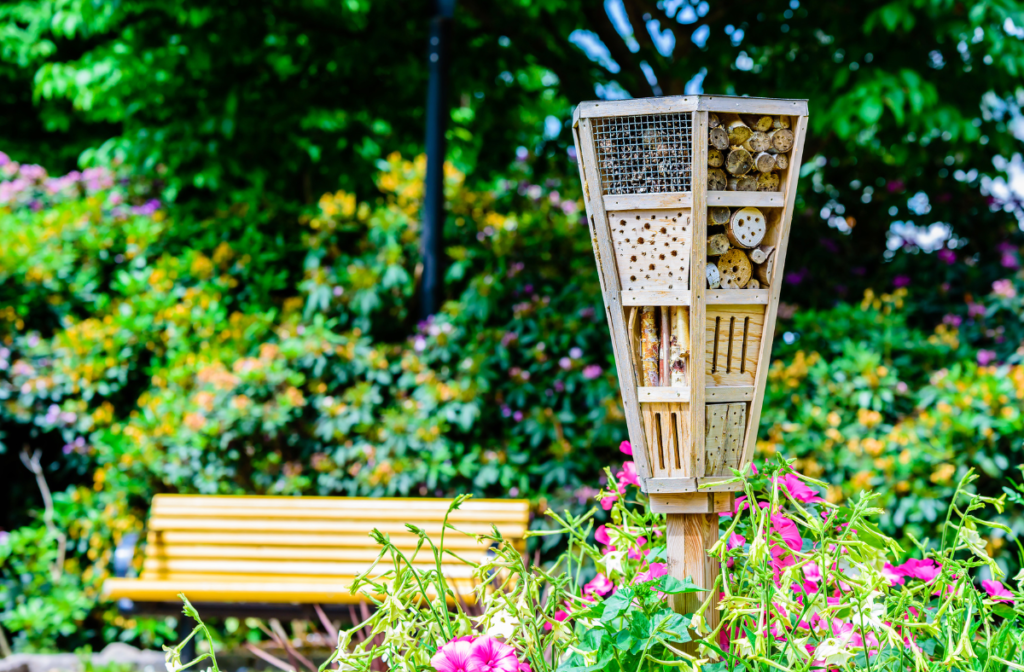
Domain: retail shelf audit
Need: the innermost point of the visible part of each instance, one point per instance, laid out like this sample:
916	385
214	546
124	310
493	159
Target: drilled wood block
723	449
652	248
733	344
668	439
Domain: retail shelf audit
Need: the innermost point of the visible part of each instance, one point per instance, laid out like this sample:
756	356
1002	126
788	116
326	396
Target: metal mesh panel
646	154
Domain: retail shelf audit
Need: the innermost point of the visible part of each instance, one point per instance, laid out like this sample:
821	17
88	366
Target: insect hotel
689	201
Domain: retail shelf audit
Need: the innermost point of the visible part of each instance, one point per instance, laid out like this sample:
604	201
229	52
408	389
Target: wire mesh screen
644	154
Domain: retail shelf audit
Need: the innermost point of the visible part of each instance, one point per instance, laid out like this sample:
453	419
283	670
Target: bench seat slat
418	518
170	567
364	555
340	526
417	505
269	589
168	538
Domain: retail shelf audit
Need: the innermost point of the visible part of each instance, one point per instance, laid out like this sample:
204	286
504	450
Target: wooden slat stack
299	549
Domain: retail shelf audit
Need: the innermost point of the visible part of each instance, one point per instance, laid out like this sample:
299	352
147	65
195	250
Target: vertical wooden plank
604	253
714	444
764	360
698	332
689	536
687	467
735	424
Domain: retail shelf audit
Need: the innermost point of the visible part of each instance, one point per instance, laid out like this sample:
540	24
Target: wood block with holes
668	439
652	248
726	424
733	344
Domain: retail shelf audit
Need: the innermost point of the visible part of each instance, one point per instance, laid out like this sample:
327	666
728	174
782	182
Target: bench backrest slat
193	537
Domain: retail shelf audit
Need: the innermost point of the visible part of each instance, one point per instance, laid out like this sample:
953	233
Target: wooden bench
256	555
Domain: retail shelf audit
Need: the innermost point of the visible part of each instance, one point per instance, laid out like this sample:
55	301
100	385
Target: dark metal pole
433	201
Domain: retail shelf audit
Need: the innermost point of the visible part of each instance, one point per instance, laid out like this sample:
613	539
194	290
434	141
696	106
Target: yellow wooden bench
299	550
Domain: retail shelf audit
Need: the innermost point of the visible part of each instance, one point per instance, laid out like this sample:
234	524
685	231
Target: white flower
833	651
503	624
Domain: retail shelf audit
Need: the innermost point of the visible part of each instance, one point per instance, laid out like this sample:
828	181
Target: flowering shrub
805	585
145	352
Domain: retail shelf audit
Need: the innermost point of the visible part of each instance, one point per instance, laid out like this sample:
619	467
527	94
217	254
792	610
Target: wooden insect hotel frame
689	201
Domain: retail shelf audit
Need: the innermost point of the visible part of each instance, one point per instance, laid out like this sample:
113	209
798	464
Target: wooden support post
689	536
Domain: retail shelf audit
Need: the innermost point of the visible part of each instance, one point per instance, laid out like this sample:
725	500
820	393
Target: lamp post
433	201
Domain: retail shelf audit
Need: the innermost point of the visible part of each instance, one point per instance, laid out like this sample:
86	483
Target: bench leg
188	652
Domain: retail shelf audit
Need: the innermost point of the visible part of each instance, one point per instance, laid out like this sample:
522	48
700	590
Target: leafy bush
144	352
804	585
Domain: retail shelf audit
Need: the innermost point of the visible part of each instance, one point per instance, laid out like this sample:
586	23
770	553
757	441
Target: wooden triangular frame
600	207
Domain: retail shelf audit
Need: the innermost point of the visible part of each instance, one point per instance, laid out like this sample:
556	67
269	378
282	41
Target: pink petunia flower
635	553
893	575
735	541
997	591
453	656
601	535
986	357
788	530
627	475
798	490
656	570
490	655
525	667
626	447
559	616
925	570
600	585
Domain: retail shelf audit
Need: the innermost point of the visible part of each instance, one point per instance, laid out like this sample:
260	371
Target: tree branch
32	464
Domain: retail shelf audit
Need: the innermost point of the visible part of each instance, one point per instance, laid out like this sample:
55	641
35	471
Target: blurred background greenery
209	228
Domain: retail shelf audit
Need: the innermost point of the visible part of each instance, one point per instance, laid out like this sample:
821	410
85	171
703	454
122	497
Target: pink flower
656	570
559	616
812	572
600	585
735	541
635	553
591	371
798	490
997	591
525	667
947	256
986	357
601	535
788	530
626	447
627	475
453	656
893	575
1004	288
741	505
608	502
490	655
925	570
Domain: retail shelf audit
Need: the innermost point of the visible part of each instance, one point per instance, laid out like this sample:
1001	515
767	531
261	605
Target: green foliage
41	603
912	102
866	401
804	584
145	353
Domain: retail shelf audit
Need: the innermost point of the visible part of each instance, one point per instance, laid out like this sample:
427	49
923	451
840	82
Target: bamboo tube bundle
690	202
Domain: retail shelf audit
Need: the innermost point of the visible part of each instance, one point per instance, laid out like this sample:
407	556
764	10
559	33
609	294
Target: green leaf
673	586
616	604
